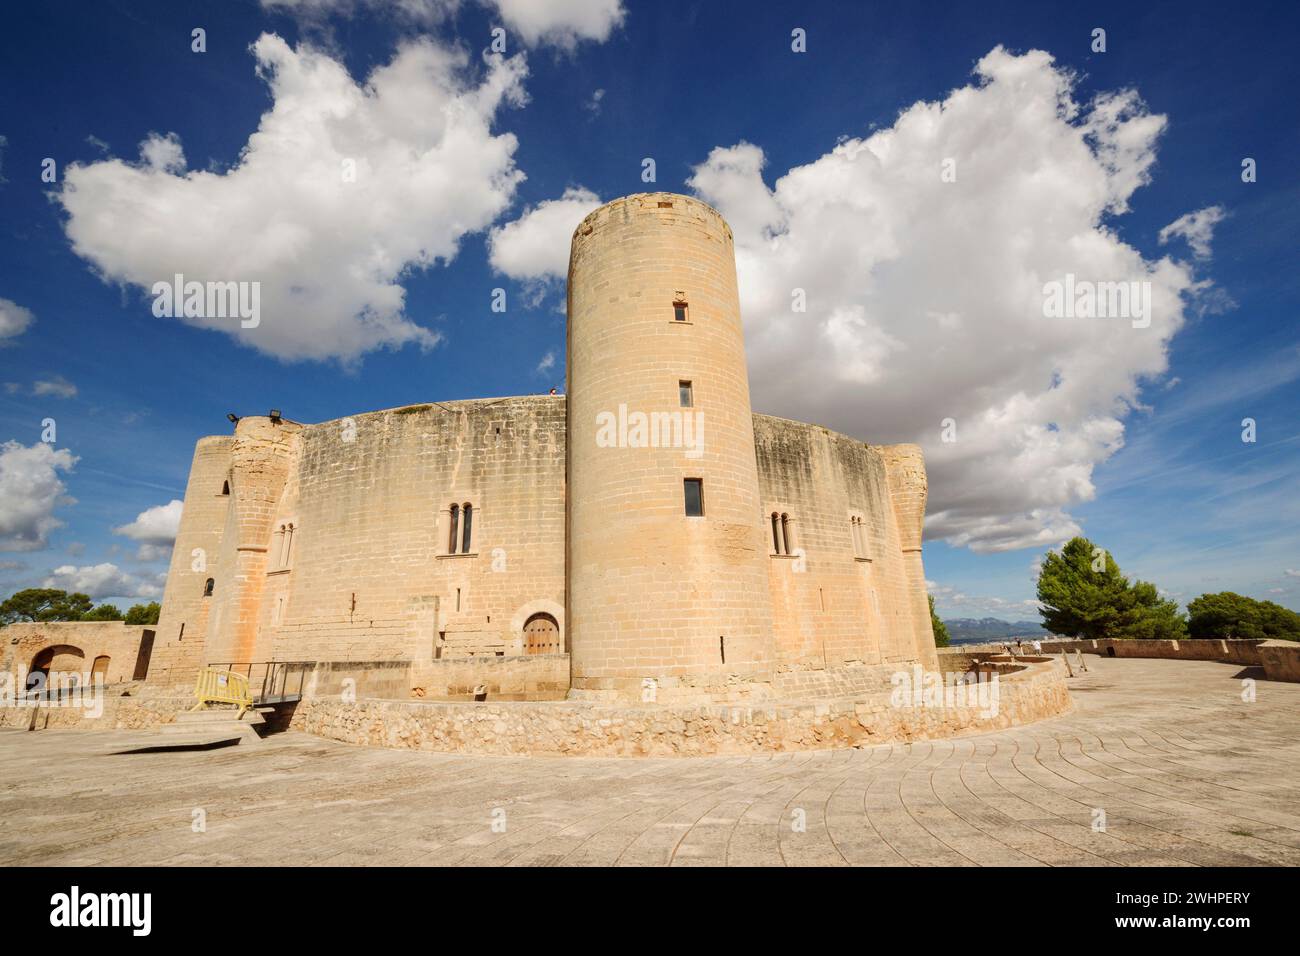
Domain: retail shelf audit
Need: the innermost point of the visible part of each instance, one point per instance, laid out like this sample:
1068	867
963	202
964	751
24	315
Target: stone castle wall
76	646
333	542
838	601
371	572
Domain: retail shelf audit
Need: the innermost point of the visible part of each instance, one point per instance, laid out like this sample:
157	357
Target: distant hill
969	630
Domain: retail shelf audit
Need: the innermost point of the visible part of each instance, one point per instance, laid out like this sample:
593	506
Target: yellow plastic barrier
222	687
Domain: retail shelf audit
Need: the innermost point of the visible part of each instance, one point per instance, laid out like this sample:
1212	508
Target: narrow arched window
208	585
279	547
776	533
859	532
469	517
225	487
455	527
787	534
288	545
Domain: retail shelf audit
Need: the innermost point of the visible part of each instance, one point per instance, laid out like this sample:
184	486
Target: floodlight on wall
275	415
234	419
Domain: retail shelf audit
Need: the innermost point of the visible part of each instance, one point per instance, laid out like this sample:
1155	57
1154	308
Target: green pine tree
941	637
1084	594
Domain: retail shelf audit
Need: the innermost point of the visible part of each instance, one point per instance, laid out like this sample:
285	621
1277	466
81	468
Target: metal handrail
275	677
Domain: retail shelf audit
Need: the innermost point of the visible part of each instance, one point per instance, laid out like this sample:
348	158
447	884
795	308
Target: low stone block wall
1280	660
581	728
1233	652
836	682
360	678
519	677
118	713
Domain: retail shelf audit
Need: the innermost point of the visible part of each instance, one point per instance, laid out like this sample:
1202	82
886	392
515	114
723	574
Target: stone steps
204	727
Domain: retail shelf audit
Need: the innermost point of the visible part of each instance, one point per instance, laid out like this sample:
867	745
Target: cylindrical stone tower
260	458
181	632
905	469
667	567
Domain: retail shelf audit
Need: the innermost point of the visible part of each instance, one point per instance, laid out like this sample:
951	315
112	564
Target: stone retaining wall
835	682
1280	660
526	677
1232	652
119	713
571	728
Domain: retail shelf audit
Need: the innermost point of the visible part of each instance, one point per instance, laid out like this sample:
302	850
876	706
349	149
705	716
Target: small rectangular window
684	395
694	497
679	311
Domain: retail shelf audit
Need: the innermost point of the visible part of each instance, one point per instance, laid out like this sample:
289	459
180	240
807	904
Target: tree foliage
143	613
1227	615
54	604
104	612
44	604
941	638
1084	595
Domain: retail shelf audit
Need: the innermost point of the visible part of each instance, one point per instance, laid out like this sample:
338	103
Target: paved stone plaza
1184	770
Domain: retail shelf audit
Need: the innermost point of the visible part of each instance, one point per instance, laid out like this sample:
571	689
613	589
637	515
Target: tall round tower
667	566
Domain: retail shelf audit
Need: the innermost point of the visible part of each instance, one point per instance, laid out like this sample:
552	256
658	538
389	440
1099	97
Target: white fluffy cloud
103	580
14	319
328	248
57	386
30	489
563	23
536	245
925	297
155	529
1196	227
157	524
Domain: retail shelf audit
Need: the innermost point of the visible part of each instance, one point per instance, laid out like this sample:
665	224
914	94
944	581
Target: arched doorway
541	635
99	670
60	658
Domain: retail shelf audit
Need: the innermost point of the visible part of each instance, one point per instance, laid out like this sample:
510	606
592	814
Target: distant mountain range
969	630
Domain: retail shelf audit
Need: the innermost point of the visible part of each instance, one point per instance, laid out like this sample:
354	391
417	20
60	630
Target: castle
646	530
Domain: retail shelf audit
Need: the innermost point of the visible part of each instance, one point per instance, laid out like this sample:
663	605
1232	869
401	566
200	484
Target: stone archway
542	634
525	613
58	658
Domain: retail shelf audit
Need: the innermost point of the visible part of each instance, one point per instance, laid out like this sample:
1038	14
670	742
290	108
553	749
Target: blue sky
1184	502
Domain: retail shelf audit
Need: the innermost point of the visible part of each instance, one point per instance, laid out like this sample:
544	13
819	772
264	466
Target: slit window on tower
225	487
455	527
469	515
685	395
208	586
776	533
679	311
694	488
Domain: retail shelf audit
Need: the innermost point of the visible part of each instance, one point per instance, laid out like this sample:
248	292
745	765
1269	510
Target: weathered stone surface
571	728
1185	771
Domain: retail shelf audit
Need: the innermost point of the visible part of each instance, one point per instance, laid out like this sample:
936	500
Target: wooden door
541	635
